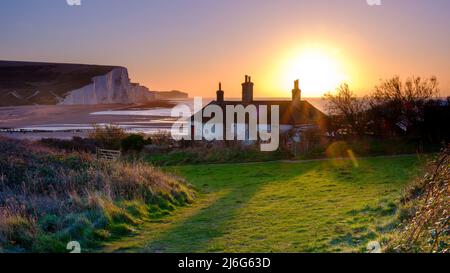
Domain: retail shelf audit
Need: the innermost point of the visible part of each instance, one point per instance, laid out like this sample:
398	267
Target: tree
397	108
347	110
414	90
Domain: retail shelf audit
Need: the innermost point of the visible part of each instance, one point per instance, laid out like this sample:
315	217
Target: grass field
316	206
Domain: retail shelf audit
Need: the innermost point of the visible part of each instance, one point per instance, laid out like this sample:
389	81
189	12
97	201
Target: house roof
302	113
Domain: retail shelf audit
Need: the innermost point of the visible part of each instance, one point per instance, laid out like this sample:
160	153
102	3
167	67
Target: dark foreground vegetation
406	109
425	211
50	197
160	150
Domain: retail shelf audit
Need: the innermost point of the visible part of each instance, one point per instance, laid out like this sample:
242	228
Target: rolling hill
33	83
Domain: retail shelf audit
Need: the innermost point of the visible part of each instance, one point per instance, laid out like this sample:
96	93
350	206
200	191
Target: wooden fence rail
108	154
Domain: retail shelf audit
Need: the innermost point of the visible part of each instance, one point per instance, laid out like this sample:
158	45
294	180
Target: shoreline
67	121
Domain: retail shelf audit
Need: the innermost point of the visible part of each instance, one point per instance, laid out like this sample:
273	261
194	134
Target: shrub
133	142
161	138
108	137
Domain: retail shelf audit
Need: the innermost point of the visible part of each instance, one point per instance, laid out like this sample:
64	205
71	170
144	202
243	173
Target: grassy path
314	206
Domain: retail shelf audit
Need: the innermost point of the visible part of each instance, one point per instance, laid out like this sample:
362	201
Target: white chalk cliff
114	87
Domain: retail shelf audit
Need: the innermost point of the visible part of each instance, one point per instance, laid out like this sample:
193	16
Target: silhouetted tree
398	108
348	111
436	117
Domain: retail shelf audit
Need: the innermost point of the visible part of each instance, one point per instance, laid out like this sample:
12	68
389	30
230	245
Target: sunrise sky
190	45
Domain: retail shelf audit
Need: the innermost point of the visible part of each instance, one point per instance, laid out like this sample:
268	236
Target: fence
108	154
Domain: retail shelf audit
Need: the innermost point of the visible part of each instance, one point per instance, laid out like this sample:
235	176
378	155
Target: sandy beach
58	121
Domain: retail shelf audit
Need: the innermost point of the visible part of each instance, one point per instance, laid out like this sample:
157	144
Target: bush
108	137
162	138
133	142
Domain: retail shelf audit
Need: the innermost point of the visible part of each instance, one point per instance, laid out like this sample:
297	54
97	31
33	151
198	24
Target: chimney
220	93
247	90
296	93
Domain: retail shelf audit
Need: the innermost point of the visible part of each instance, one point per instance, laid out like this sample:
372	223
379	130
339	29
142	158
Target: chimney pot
296	92
220	93
247	89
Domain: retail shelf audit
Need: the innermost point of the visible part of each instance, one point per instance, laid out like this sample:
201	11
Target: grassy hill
28	83
317	206
48	198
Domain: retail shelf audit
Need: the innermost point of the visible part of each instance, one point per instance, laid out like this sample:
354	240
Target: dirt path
152	229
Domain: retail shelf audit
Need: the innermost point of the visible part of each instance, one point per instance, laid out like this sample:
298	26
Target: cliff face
113	87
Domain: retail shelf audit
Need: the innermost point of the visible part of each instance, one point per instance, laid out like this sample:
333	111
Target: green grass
317	206
214	155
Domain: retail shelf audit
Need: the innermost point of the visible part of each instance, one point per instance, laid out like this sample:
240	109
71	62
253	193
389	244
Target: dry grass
49	197
425	212
109	136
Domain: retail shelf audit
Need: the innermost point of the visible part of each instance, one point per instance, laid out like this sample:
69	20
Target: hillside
48	197
31	83
425	224
28	83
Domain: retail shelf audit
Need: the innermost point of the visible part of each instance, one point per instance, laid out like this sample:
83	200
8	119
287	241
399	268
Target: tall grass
425	211
48	198
215	154
109	136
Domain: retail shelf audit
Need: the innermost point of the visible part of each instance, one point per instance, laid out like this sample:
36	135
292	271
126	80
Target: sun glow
319	71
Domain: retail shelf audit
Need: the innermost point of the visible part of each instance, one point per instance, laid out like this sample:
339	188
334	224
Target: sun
319	71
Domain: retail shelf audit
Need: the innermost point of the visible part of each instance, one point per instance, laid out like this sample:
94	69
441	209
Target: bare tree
414	90
348	110
399	107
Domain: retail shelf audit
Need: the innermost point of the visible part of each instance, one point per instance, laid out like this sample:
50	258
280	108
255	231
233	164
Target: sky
191	45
